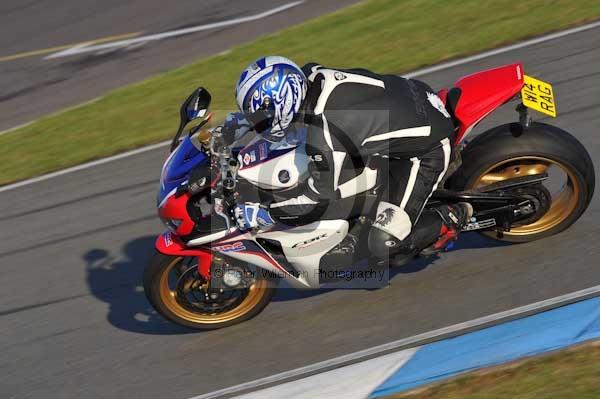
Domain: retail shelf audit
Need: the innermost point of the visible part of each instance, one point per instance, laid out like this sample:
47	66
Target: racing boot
454	218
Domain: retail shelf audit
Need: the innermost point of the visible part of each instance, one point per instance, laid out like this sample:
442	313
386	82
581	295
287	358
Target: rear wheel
177	291
507	152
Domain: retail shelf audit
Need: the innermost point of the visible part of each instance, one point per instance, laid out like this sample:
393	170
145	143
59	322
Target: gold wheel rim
564	202
169	298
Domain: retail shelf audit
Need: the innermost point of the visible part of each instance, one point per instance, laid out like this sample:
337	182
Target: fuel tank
274	165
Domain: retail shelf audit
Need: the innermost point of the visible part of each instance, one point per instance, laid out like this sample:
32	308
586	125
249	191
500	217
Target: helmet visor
262	119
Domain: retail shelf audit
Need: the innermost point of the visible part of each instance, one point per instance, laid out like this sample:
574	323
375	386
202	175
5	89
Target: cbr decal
309	242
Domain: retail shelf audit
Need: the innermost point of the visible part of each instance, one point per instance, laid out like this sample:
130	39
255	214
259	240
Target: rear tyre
178	293
508	151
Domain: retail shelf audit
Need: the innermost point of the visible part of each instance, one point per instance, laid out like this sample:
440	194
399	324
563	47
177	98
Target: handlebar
220	149
223	183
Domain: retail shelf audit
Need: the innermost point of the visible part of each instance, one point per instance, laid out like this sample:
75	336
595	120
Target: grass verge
570	373
383	35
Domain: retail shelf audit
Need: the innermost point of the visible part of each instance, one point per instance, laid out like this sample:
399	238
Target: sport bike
525	180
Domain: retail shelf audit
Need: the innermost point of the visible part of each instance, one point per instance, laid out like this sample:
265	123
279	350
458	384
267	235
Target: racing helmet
270	92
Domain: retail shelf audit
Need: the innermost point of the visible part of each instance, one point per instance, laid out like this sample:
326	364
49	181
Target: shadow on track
466	241
117	280
474	241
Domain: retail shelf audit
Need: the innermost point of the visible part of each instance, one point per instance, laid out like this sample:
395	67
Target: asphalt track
75	323
32	86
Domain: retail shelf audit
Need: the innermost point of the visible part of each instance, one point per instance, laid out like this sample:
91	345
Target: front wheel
508	151
176	290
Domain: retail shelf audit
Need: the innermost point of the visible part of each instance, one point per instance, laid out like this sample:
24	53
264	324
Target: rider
398	124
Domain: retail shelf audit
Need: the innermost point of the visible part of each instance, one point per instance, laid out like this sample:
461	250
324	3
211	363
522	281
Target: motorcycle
525	180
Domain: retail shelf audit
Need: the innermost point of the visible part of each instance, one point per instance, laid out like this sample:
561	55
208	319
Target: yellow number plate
538	95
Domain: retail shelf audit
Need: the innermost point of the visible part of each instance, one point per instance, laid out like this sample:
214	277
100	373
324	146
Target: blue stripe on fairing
271	154
532	335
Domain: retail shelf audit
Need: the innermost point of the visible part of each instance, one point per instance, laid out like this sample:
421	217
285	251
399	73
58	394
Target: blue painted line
551	330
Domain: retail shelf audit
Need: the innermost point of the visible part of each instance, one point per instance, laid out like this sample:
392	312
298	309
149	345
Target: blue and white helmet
270	93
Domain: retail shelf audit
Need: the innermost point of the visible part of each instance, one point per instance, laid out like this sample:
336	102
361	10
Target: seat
483	92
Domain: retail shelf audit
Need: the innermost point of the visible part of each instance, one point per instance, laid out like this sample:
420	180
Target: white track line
416	73
404	343
139	41
526	43
85	166
166	35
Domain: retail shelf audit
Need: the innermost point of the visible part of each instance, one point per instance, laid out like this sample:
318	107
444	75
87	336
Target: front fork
169	244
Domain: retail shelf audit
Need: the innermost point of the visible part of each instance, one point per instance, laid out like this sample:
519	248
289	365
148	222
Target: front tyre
508	151
178	293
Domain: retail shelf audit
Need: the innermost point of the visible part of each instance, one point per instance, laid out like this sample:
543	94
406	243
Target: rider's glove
235	127
250	215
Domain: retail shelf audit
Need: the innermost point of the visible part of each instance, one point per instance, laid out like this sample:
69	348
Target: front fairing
178	166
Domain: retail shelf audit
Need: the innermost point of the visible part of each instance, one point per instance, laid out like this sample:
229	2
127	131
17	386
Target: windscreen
178	166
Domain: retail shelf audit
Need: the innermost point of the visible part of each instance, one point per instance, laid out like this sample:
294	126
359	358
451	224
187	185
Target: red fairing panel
169	244
175	207
483	92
